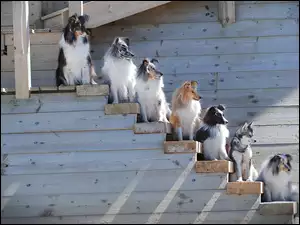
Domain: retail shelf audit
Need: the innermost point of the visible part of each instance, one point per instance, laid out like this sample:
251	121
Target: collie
186	109
75	65
120	71
213	133
150	94
276	175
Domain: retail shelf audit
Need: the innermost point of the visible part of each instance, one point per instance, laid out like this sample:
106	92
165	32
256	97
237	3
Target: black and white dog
150	94
120	71
276	175
75	65
241	154
213	134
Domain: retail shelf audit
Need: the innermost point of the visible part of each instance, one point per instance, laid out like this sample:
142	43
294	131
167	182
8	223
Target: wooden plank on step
244	188
92	90
214	166
173	147
150	128
278	208
107	140
49	89
108	182
65	121
102	161
67	88
122	108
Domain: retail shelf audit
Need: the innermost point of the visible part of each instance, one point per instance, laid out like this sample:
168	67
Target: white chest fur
187	115
77	67
215	143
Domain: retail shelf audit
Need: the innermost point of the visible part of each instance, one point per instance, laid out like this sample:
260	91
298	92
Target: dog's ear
154	61
116	40
145	62
245	125
72	18
194	84
250	124
221	107
83	19
126	40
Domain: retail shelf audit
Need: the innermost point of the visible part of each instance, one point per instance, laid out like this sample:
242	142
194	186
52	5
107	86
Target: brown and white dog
186	109
75	65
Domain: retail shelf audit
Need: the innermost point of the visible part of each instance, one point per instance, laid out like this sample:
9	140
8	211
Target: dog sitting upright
150	94
75	65
120	71
186	109
275	173
241	154
213	134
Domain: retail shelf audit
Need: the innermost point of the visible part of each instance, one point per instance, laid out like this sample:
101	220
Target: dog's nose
226	121
254	140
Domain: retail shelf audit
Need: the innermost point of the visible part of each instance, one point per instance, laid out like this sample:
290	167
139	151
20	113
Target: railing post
21	49
226	12
75	7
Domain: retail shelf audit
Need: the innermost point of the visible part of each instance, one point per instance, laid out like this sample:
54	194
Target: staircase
69	157
101	12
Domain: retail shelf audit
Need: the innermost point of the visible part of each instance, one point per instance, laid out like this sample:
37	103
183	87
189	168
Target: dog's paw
240	180
249	180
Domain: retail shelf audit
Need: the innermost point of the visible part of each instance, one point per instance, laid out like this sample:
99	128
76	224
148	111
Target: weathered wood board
122	108
175	147
65	121
92	90
137	203
244	188
52	102
108	182
278	208
152	127
230	217
215	166
103	161
79	141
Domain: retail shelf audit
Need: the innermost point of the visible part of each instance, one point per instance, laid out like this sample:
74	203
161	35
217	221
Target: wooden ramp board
92	90
277	208
122	108
173	147
245	188
65	121
214	166
150	128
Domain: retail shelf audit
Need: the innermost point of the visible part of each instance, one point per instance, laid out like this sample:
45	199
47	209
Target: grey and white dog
120	71
276	175
241	154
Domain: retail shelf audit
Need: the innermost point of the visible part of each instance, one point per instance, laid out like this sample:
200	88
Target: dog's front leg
161	111
267	195
192	130
144	113
131	91
223	154
114	92
248	170
238	165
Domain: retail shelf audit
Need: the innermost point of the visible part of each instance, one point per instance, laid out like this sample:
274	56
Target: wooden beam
226	12
22	49
75	7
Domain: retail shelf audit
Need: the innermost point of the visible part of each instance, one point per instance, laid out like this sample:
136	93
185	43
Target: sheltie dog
150	94
75	65
213	133
186	109
120	71
276	175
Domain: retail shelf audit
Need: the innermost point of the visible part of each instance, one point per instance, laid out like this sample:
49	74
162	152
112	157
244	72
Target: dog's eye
218	114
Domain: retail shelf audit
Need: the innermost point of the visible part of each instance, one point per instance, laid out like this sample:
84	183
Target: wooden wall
35	10
252	66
